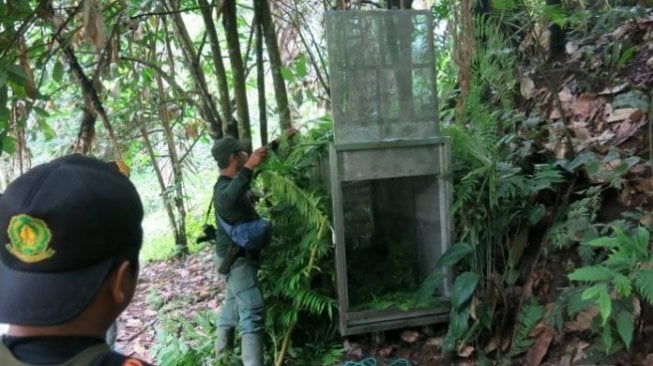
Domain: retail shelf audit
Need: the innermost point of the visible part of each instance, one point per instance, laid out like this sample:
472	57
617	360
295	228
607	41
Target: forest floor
187	287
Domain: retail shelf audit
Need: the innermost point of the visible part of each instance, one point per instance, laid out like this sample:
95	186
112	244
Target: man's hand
256	158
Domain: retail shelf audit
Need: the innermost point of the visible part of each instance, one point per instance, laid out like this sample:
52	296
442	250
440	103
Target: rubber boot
225	343
252	349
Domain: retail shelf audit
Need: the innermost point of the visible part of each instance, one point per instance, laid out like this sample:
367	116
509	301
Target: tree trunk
229	126
180	235
159	176
275	64
91	98
208	110
230	24
260	81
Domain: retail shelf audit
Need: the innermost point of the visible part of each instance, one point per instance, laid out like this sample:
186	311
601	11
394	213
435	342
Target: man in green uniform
70	236
243	304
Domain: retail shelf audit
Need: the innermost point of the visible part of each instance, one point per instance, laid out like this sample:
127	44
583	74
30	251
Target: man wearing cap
70	235
243	304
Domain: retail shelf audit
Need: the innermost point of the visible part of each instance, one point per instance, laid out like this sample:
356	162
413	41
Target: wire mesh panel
382	74
388	170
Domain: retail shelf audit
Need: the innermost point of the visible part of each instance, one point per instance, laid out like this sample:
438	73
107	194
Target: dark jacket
232	203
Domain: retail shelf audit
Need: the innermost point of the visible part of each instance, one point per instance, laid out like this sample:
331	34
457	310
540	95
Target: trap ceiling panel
382	75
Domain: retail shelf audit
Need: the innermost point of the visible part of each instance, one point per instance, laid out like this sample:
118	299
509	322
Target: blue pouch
249	235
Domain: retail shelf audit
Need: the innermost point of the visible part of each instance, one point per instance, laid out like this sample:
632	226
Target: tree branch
171	81
169	12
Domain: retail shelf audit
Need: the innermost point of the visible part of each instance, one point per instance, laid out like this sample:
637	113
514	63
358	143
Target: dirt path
184	287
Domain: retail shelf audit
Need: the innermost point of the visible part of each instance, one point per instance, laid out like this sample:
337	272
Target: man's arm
240	184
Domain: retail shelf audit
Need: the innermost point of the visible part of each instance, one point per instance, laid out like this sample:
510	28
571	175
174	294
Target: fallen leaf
571	47
353	349
583	320
409	336
647	219
538	350
527	87
613	89
649	62
134	323
579	353
648	361
555	114
466	351
581	131
493	344
565	95
434	342
620	114
385	351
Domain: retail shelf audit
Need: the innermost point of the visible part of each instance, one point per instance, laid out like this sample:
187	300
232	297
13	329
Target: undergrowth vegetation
524	215
522	211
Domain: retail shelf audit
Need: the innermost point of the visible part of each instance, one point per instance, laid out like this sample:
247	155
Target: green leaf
300	67
592	274
635	99
607	339
536	214
57	71
626	327
501	5
4	116
41	112
623	285
16	74
8	145
454	255
626	56
644	283
3	77
527	318
286	74
458	323
428	287
600	294
48	132
577	304
604	242
463	288
643	238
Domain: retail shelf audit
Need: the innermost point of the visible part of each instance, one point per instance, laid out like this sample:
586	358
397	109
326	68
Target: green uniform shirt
232	204
61	351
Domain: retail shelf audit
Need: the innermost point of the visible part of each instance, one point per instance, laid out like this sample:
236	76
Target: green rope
371	361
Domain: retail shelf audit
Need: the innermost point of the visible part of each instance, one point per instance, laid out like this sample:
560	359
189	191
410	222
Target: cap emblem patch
122	167
29	239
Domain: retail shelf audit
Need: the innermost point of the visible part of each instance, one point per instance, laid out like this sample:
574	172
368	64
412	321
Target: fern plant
527	318
623	276
182	342
496	185
296	276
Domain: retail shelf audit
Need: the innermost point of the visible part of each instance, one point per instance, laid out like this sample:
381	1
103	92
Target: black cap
63	226
226	146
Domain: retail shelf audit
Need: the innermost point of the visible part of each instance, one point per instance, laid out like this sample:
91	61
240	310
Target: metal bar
339	228
389	144
394	324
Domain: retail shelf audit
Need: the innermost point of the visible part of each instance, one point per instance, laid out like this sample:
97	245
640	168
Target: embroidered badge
29	239
122	167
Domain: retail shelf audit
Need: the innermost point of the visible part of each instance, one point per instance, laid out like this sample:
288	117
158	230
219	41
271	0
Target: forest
543	110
